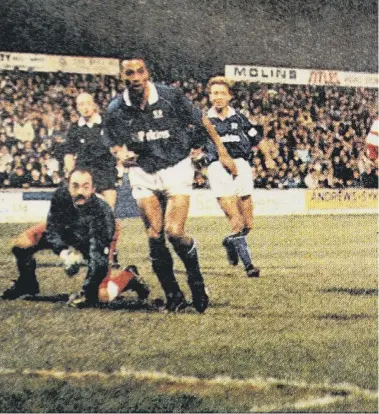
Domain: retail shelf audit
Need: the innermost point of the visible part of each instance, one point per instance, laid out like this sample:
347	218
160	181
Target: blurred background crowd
315	135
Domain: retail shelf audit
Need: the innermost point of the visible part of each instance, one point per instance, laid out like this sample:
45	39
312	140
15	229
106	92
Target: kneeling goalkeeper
80	220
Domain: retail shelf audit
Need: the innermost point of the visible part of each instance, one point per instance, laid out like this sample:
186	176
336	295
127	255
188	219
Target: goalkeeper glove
72	259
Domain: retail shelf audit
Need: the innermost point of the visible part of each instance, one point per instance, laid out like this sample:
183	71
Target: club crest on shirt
234	125
158	113
252	132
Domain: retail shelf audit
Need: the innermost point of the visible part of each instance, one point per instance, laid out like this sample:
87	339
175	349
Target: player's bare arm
69	163
268	153
122	154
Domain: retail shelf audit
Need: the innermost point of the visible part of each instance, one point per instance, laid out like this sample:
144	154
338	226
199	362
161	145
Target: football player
149	124
78	220
233	194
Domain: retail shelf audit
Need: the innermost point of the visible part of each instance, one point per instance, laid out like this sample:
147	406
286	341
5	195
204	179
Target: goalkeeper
80	226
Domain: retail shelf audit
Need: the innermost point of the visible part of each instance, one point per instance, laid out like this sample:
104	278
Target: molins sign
264	74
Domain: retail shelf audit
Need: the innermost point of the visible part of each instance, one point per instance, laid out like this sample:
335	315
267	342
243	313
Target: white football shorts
222	183
175	180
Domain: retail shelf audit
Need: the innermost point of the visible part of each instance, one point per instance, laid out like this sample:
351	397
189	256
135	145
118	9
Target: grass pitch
302	338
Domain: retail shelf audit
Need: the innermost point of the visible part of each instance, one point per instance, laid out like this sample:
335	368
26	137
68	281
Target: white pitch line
317	402
301	404
258	382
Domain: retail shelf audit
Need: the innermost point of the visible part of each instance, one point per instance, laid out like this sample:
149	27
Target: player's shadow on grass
131	305
46	264
344	317
207	272
281	267
118	304
61	297
232	306
351	291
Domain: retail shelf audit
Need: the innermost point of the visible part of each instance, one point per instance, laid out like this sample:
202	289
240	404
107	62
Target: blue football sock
240	244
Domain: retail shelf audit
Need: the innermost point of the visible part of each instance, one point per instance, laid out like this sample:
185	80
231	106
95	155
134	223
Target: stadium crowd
315	135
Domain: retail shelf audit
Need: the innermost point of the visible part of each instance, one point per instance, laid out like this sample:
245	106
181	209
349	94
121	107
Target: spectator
338	167
291	181
23	128
356	181
311	180
43	138
18	179
301	124
34	179
44	178
58	150
56	179
28	149
271	181
3	138
281	179
5	158
28	169
17	161
370	178
303	171
4	177
303	153
51	164
261	180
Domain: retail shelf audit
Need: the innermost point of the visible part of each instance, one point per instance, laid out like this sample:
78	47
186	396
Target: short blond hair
83	96
219	80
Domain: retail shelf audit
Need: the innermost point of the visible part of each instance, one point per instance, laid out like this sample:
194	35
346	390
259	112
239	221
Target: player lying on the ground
233	193
78	220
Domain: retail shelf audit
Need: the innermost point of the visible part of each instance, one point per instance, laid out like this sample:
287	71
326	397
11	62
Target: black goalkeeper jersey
162	134
86	227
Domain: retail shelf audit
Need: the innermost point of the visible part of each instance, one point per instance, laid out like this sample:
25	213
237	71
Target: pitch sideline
257	382
303	404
